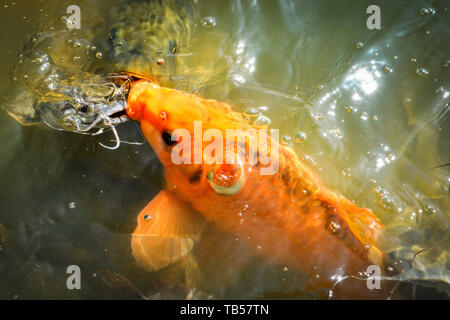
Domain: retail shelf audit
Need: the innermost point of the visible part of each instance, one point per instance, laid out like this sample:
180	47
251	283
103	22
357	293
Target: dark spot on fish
196	176
286	178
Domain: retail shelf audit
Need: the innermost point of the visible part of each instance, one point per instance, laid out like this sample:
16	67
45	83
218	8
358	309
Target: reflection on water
367	109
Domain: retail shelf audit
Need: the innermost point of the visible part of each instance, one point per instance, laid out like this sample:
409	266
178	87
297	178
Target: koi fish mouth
90	108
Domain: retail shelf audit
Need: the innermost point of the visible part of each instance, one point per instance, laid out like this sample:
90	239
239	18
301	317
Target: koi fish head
180	127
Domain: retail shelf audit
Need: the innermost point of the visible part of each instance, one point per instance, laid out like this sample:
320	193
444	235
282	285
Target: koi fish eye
167	138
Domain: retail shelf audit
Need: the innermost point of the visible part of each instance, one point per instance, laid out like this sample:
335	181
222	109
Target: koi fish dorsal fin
167	230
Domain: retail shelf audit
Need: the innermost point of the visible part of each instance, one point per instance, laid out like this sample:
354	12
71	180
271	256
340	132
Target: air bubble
99	55
262	122
427	12
285	140
72	205
334	227
359	45
317	117
385	201
428	208
300	137
364	116
208	22
387	69
422	72
147	217
390	156
251	112
336	133
350	109
346	172
440	90
285	269
310	160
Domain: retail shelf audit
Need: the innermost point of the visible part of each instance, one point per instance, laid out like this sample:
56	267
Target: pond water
367	109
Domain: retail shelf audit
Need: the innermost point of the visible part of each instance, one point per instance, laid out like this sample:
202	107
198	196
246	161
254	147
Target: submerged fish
289	217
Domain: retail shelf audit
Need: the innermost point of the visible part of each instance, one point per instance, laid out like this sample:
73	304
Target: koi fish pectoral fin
167	231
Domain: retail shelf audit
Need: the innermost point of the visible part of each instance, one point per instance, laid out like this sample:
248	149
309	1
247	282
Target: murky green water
367	108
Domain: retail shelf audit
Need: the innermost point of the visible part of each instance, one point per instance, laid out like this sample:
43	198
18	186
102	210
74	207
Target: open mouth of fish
89	108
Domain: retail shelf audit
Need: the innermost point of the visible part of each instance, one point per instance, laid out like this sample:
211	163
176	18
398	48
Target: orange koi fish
288	217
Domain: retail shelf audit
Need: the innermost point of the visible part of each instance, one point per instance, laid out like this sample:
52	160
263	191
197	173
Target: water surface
368	109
